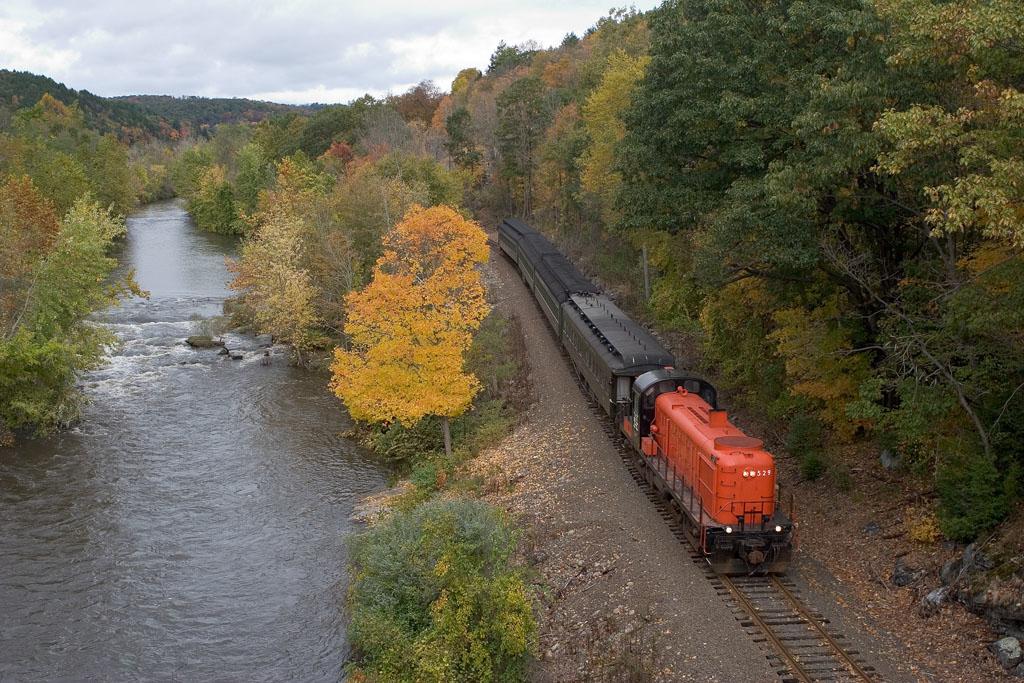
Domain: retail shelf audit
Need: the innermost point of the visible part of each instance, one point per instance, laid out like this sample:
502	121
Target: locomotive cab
646	390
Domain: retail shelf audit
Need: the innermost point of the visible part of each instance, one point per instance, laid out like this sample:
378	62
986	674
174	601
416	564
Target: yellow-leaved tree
410	327
278	291
602	118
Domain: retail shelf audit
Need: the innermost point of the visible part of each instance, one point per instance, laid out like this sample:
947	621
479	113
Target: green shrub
433	597
812	465
427	473
486	424
973	496
806	440
50	342
398	445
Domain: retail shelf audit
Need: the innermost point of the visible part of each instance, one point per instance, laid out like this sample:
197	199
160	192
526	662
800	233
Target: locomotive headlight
728	529
778	529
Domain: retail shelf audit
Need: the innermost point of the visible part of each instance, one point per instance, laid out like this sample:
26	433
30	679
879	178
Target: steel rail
793	600
780	648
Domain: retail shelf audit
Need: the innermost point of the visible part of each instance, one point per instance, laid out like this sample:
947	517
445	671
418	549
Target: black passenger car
606	347
548	274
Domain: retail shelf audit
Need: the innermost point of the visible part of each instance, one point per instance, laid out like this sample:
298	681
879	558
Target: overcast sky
286	51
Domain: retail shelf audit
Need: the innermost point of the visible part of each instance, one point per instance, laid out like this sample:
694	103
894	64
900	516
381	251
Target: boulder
950	571
203	341
1007	651
902	575
872	528
971	561
223	351
975	560
931	602
889	459
236	355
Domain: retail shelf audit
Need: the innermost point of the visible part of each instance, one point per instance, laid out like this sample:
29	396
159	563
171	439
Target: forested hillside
125	120
200	113
135	118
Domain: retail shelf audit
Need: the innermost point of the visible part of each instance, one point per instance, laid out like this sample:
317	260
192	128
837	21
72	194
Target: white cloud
293	51
320	93
18	52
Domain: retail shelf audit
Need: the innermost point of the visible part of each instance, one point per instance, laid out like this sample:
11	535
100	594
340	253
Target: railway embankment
873	562
620	596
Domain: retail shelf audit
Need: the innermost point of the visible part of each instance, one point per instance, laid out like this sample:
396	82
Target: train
720	483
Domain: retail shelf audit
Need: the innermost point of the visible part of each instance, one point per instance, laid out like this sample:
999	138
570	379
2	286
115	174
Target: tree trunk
647	275
447	433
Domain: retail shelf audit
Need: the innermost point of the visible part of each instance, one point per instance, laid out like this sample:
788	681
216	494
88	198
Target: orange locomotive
730	471
720	482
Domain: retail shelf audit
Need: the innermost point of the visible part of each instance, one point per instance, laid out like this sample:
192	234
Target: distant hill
200	112
138	117
124	119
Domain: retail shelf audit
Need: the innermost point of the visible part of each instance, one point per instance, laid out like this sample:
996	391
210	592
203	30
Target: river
193	526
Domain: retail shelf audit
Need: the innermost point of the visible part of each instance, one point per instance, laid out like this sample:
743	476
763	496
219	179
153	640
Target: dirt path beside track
621	594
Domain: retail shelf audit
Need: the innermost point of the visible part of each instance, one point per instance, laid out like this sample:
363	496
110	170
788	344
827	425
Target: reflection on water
192	527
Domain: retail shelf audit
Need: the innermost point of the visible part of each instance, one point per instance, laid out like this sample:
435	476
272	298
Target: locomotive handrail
663	466
680	487
659	455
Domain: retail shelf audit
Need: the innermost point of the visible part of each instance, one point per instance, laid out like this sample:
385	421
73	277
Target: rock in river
203	341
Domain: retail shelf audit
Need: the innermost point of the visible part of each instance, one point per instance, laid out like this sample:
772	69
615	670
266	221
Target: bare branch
918	340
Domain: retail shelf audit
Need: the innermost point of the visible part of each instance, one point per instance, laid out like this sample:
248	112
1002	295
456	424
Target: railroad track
802	647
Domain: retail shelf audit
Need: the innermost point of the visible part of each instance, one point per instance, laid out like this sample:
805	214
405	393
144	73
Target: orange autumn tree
410	327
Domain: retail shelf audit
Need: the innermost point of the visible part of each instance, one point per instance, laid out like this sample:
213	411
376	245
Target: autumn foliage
63	186
410	327
28	227
278	291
